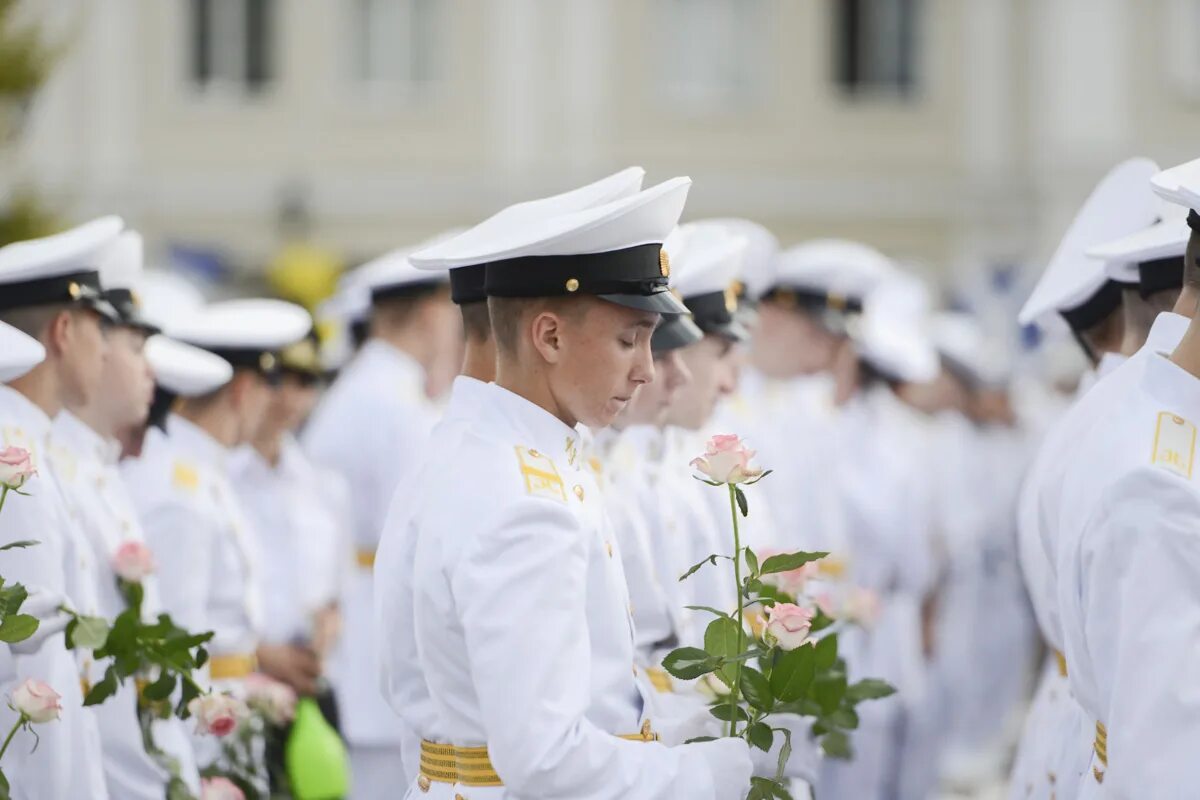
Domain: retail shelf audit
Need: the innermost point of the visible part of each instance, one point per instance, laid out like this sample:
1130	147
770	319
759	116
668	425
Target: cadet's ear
546	329
57	335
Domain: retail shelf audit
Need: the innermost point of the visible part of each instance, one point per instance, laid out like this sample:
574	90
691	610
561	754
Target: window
232	45
875	46
713	53
394	43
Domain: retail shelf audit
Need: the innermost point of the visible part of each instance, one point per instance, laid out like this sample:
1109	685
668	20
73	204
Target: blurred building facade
957	134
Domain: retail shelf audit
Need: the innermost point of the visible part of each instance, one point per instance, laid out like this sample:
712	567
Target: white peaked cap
167	298
1119	205
185	370
393	274
617	186
705	258
960	339
762	250
19	353
60	253
244	324
1165	238
641	218
1179	185
892	333
834	266
121	262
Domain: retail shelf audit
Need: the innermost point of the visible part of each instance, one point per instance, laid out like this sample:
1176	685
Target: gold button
459	797
534	453
423	783
572	285
609	546
579	491
73	290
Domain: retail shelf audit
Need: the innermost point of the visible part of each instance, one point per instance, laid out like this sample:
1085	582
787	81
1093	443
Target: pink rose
274	700
37	701
218	714
16	467
133	561
788	625
863	607
220	789
726	459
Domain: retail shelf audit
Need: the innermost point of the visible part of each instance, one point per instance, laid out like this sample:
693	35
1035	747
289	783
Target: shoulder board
1174	444
184	476
540	474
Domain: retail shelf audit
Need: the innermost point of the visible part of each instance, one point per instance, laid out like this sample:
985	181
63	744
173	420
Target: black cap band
1159	275
78	287
675	331
129	309
712	311
467	284
264	362
415	289
813	300
1095	309
641	270
1193	220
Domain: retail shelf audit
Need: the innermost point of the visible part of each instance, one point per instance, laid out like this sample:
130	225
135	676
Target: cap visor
103	308
676	331
733	331
660	302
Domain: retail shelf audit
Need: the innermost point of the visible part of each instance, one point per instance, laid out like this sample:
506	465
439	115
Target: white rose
37	701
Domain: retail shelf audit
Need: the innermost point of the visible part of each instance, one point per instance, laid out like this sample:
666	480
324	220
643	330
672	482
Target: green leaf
792	673
785	753
759	478
11	599
189	692
836	744
18	628
826	652
752	562
103	690
89	633
23	543
869	689
743	504
786	562
161	689
720	639
843	718
756	689
761	736
828	691
710	610
701	739
692	570
766	789
688	663
5	789
728	713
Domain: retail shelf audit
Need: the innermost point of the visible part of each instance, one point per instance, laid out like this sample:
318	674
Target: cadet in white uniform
298	513
188	507
401	680
1075	289
1123	550
370	428
86	462
49	288
494	553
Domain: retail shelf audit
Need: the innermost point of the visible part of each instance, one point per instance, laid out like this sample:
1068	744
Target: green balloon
317	765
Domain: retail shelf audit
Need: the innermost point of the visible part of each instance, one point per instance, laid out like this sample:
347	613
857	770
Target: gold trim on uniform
365	558
540	474
471	766
1174	444
1062	663
232	667
184	476
1101	747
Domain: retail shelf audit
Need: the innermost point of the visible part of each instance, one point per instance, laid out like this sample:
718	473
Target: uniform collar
1166	332
1170	383
28	414
538	427
379	351
466	391
1109	362
193	439
81	437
